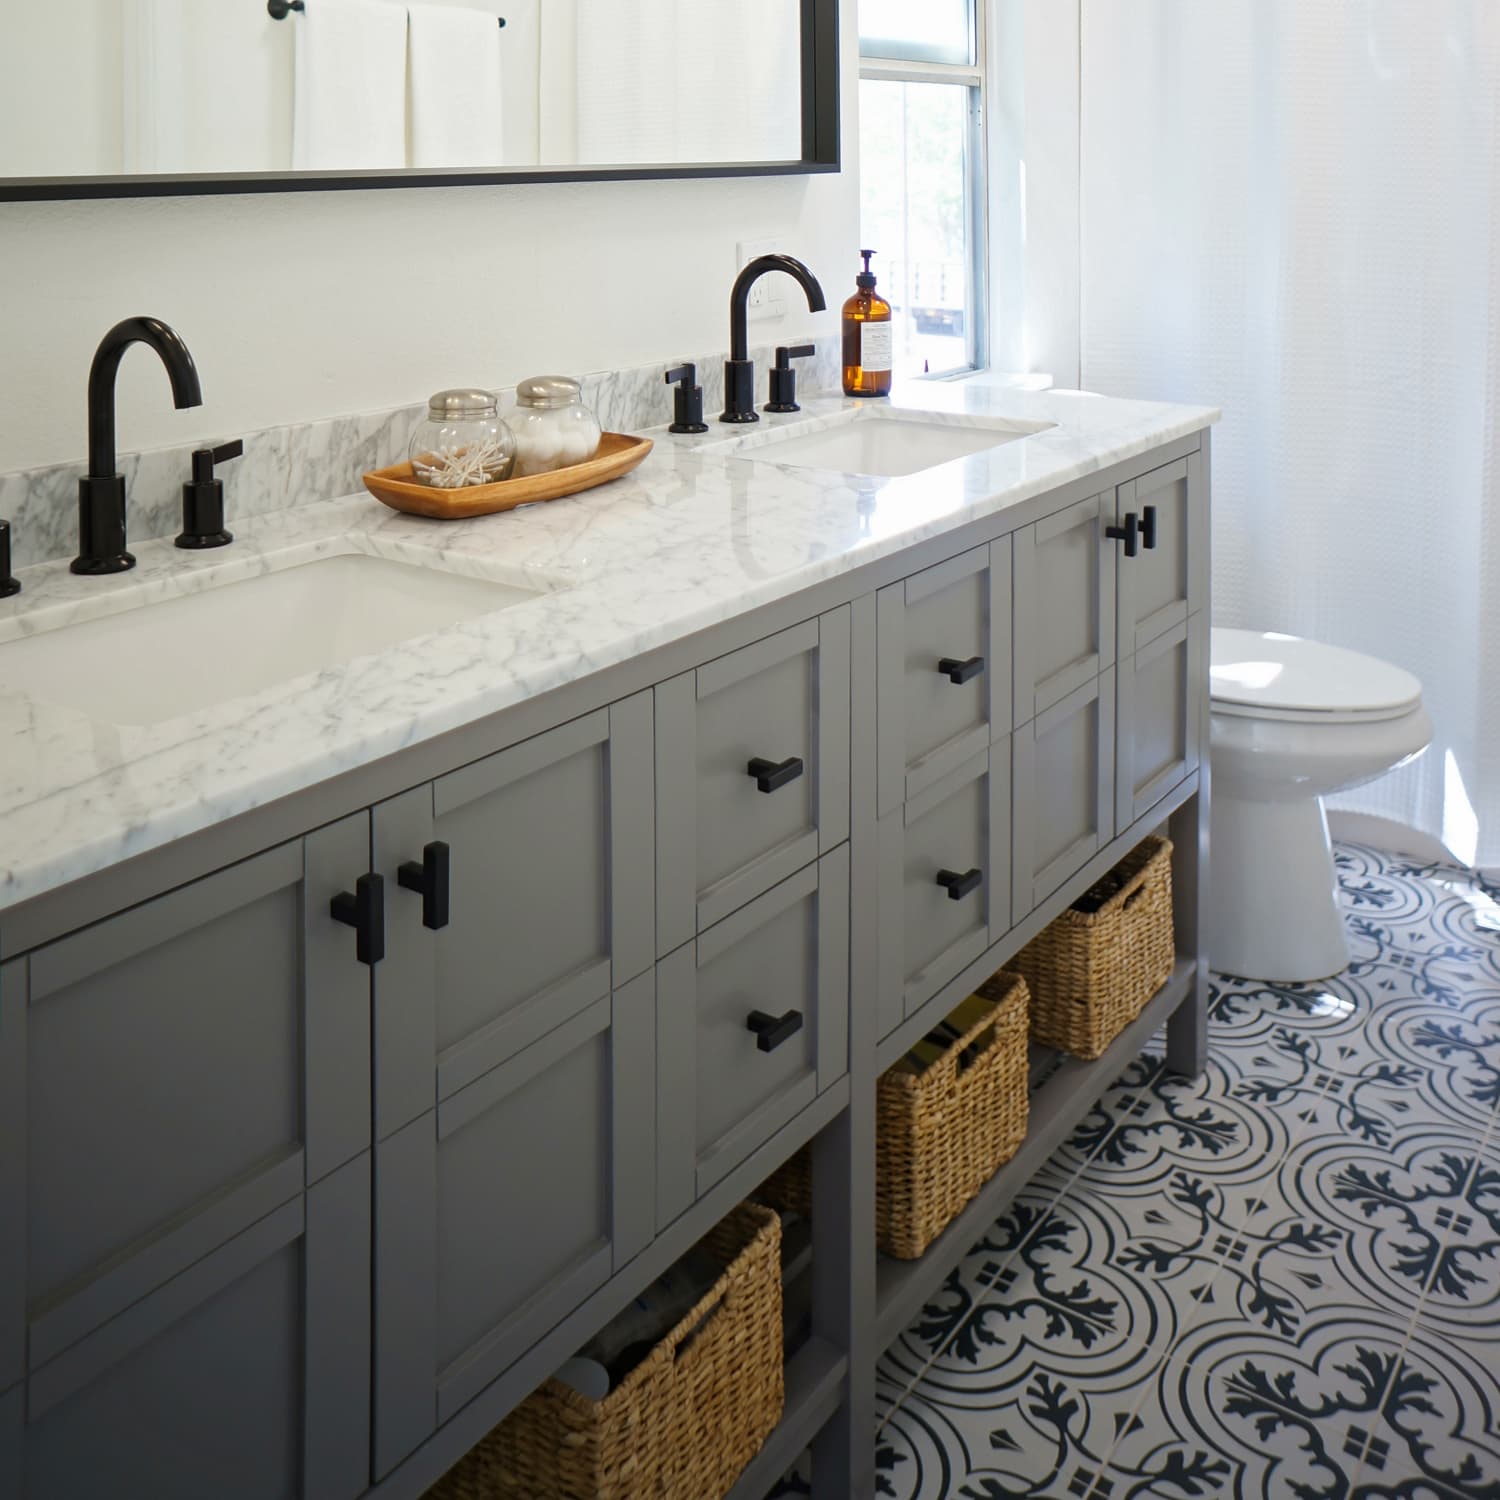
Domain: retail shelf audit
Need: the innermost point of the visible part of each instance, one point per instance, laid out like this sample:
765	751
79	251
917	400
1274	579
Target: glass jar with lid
463	440
553	427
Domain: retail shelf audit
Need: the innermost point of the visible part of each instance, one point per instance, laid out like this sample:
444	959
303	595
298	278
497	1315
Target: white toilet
1292	722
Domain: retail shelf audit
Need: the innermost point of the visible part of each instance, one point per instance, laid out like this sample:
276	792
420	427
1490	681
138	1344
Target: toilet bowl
1292	721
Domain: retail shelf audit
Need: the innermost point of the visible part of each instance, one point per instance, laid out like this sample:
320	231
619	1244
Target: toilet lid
1265	675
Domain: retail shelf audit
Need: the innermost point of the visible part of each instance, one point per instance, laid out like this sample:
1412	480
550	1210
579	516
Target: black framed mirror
146	98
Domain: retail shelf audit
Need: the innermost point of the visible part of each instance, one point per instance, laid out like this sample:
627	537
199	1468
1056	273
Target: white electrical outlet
768	294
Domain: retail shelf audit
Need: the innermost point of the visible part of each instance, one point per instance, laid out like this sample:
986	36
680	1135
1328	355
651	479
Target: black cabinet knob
430	881
961	671
363	909
958	886
1148	528
1126	533
772	1031
771	775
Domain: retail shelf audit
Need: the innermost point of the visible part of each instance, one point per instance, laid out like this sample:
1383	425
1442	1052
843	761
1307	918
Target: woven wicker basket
681	1425
1092	971
940	1134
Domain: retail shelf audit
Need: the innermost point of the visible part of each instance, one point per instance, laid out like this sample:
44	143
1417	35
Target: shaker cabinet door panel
1158	733
1065	604
752	1024
944	686
1064	791
1165	581
752	771
944	881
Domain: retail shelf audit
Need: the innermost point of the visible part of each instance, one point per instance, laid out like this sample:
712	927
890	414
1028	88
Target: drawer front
497	1213
752	761
246	1376
944	685
752	1024
1064	791
944	881
1065	604
1159	730
1164	582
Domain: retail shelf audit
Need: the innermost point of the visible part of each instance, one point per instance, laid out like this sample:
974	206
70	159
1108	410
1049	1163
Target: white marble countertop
692	538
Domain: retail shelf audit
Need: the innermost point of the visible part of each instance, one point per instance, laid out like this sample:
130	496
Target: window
921	159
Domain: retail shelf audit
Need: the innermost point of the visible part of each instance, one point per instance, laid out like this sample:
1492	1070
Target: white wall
304	305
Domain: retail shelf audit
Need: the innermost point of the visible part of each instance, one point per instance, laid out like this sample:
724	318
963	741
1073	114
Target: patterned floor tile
1462	1299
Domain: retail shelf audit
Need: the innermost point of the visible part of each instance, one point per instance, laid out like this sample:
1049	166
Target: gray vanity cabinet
183	1156
1158	736
539	904
1064	603
752	758
944	860
752	1024
1167	579
944	677
1064	790
507	1205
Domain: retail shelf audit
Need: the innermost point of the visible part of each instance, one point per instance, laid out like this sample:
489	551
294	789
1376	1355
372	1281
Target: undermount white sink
881	445
157	661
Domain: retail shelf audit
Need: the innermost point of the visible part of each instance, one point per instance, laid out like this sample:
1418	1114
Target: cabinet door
944	881
752	1024
540	903
752	767
507	1205
945	654
245	1376
1064	791
1158	738
1065	604
1165	581
181	1071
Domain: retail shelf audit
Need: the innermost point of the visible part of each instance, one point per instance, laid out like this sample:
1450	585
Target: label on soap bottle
874	347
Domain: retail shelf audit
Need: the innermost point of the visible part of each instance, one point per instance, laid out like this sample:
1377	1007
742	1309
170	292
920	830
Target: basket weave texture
1091	972
681	1425
940	1134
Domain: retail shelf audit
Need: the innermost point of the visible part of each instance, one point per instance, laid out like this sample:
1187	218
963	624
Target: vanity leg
1187	1029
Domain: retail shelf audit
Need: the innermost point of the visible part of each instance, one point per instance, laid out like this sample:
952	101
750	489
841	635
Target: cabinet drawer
1064	791
500	1211
1159	732
944	685
1165	581
1065	604
752	766
944	881
752	1024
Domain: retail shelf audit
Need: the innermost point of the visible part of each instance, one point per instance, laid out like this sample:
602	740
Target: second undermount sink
881	444
158	661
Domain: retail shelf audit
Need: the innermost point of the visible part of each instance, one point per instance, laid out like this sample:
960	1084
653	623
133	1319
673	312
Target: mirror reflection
110	88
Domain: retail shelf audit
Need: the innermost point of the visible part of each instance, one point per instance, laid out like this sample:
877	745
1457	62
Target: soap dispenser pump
867	338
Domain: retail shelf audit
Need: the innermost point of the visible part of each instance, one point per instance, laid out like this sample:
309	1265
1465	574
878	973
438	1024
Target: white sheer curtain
1291	208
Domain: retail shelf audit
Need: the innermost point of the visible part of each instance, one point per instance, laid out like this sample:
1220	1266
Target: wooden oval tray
618	454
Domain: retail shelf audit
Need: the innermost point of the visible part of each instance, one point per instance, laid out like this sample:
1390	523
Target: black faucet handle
784	377
203	499
9	584
687	399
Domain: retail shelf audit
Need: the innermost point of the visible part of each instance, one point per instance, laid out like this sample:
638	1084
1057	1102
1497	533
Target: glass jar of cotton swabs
462	441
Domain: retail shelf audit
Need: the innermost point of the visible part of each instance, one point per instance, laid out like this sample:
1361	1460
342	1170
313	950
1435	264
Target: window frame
880	64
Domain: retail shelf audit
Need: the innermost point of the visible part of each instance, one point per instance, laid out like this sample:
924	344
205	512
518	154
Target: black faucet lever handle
687	399
784	377
225	451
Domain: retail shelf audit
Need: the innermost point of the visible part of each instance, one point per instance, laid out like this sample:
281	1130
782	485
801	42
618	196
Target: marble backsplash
301	464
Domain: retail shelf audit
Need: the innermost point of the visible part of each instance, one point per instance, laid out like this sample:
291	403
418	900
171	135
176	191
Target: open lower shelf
814	1387
1063	1090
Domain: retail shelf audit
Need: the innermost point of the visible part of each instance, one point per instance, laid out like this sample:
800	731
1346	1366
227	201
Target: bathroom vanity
369	1037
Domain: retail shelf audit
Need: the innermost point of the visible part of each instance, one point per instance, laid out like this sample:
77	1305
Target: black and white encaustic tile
1281	1279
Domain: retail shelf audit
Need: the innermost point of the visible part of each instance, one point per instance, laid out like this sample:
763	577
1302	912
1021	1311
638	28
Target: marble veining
690	539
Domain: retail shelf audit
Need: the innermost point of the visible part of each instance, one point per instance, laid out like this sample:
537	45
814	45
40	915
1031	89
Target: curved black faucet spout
739	371
101	493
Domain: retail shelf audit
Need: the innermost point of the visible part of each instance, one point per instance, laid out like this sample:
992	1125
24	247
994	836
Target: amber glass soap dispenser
867	338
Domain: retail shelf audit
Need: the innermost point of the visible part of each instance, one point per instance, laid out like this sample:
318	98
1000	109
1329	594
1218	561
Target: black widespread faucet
101	493
739	368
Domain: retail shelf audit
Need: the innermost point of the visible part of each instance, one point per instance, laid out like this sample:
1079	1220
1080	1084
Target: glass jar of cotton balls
461	441
553	427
